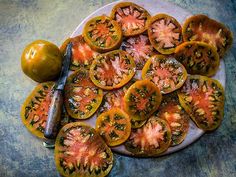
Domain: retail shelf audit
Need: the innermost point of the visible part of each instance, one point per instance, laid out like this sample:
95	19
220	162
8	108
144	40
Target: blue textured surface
22	155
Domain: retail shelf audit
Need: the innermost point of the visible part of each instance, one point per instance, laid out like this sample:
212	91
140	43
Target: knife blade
54	113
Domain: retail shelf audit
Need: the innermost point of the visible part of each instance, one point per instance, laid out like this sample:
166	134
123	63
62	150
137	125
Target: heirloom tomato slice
82	54
82	97
176	117
198	58
112	70
140	48
142	99
131	17
114	126
165	33
80	151
165	72
137	123
34	111
102	34
151	139
202	28
203	99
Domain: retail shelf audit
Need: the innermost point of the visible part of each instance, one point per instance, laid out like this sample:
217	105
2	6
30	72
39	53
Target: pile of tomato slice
143	77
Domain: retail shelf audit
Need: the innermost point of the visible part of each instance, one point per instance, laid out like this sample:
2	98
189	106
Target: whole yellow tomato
41	61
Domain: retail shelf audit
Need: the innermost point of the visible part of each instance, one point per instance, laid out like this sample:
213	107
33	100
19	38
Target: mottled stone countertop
22	155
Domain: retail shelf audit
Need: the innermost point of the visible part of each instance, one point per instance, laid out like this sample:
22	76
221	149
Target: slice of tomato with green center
152	139
34	111
165	33
202	28
166	72
198	58
82	54
80	151
112	70
176	117
142	99
131	17
102	34
203	99
114	126
81	99
140	48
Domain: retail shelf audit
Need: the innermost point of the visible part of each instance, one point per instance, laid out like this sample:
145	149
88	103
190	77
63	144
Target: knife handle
54	115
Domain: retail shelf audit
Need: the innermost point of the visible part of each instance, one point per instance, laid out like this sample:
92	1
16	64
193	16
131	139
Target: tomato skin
35	109
80	151
112	70
144	142
41	61
159	32
176	117
82	97
165	72
202	28
107	124
198	58
142	99
82	54
203	99
118	9
110	41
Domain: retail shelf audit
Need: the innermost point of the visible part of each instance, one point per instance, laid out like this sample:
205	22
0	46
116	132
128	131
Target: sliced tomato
34	111
165	72
80	151
165	33
203	99
176	117
202	28
198	58
142	99
152	139
114	126
131	17
140	48
82	97
112	70
102	34
82	54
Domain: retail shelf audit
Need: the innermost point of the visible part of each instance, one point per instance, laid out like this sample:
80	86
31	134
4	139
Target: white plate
155	7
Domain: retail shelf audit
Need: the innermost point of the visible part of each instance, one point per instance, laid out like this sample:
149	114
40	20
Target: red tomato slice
140	48
150	140
80	151
131	17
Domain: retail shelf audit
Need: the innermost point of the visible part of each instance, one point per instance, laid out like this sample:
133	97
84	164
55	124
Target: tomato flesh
202	28
167	73
198	58
142	99
150	140
35	109
114	126
82	97
203	99
80	151
112	70
140	48
165	33
176	117
131	17
102	34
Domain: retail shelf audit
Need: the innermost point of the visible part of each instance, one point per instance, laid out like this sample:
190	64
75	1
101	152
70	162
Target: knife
54	113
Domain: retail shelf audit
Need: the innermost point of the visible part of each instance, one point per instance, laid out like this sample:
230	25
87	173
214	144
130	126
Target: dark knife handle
54	115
